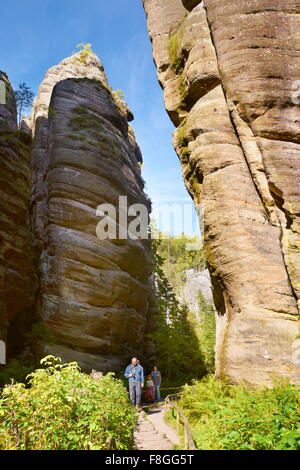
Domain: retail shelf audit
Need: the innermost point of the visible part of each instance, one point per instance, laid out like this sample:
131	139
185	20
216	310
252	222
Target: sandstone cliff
228	70
196	282
92	292
16	281
84	296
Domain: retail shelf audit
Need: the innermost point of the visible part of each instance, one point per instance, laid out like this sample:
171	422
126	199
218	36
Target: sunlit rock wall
228	72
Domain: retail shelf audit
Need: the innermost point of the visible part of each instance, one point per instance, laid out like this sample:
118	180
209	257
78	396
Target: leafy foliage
236	417
179	254
176	344
118	95
184	344
62	408
85	52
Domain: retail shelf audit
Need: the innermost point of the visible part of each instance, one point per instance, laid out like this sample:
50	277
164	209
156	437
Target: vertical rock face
16	297
95	295
196	282
228	71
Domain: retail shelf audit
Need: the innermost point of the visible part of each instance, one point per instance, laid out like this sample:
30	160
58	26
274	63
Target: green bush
236	417
84	53
62	408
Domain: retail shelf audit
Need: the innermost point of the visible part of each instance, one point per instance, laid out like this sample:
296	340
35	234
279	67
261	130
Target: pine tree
24	98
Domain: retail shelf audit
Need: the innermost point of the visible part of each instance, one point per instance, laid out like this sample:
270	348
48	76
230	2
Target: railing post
185	439
177	421
188	438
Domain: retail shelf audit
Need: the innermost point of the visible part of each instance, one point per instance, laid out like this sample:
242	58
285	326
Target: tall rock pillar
228	71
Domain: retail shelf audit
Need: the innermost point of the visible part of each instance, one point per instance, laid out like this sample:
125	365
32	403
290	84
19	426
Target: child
150	389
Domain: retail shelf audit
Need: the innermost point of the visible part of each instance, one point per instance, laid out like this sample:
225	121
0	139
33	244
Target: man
156	377
135	375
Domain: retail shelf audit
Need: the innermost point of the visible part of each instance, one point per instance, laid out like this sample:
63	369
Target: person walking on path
135	375
156	377
150	389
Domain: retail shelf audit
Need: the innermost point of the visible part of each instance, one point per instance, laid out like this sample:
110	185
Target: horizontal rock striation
95	295
228	72
16	276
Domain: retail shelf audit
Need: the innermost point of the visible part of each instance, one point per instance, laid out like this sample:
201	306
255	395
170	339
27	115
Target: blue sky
37	34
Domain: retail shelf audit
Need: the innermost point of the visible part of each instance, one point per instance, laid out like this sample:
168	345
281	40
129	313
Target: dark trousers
135	392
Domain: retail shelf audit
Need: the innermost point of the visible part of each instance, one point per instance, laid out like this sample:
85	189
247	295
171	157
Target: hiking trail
152	432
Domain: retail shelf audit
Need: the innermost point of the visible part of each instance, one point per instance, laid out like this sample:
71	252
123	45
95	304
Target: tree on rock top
24	97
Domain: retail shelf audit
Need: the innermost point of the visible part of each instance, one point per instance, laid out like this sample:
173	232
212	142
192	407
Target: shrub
236	417
85	52
62	408
118	95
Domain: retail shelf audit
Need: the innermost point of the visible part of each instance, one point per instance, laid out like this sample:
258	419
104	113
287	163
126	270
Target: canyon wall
93	293
228	72
16	271
91	299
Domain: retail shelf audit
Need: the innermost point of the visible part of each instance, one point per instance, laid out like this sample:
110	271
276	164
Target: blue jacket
138	373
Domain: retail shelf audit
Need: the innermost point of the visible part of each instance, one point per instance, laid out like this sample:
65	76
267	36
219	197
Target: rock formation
196	282
16	281
228	72
92	294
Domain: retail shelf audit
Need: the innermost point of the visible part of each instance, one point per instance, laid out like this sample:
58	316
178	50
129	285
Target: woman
156	377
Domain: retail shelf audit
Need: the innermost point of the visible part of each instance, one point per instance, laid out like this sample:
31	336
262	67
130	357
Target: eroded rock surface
16	282
228	71
196	283
95	295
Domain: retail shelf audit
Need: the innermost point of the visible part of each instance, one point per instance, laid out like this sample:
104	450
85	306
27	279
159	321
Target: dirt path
152	433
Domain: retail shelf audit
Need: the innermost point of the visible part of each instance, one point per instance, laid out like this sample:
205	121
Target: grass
237	417
170	419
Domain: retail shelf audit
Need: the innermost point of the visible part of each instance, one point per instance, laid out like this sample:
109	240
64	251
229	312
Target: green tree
179	253
178	350
24	98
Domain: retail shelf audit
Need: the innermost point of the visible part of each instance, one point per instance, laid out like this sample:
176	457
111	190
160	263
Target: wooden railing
188	438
